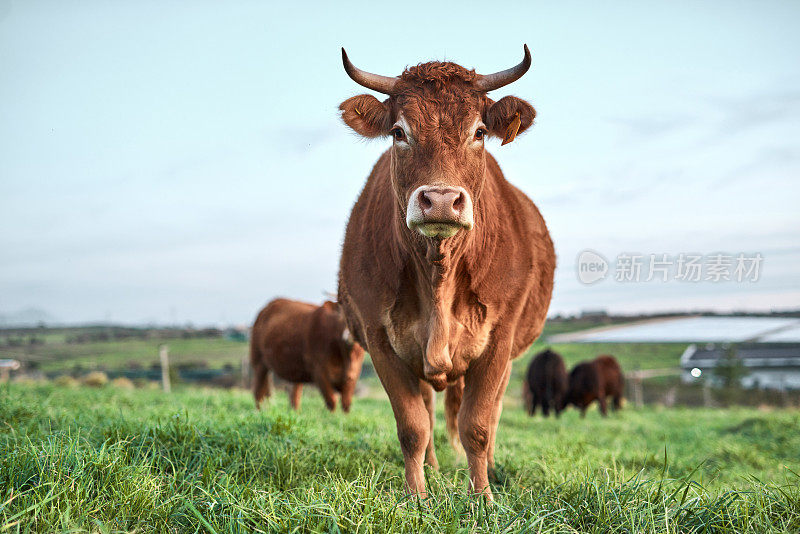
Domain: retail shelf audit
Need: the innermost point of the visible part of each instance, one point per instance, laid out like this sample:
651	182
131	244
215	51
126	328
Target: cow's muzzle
439	211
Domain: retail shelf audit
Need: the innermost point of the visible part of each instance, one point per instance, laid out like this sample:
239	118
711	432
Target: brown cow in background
304	343
447	269
545	383
595	380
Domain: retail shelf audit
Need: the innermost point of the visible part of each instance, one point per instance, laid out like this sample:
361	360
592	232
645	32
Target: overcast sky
176	161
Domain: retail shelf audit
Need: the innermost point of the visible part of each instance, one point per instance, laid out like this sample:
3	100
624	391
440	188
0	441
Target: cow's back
279	336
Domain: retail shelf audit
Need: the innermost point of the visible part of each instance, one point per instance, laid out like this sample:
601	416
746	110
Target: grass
109	460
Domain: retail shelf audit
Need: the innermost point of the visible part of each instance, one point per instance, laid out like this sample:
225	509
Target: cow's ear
508	117
366	115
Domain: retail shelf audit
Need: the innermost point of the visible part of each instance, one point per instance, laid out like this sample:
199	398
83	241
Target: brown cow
304	343
447	269
595	380
545	383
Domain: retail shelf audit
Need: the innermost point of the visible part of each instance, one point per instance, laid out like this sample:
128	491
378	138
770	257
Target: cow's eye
479	133
398	134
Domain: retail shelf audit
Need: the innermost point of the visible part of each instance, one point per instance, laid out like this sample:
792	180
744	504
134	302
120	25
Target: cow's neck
441	271
440	265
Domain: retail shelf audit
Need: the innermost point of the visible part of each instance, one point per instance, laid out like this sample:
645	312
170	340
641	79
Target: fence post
163	353
706	394
245	370
638	393
784	393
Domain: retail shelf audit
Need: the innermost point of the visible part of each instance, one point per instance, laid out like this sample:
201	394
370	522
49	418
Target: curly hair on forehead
438	99
439	84
439	73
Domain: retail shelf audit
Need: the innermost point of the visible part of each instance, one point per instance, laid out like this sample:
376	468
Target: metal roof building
766	365
691	330
768	347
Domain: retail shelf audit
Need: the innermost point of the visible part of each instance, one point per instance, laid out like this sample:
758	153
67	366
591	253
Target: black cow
545	383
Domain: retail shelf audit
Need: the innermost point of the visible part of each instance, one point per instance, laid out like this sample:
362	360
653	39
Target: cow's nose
441	204
439	211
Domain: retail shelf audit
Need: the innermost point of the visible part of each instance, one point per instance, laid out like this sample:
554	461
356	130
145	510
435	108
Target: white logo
592	267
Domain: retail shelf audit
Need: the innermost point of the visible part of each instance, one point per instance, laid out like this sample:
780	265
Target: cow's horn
490	82
376	82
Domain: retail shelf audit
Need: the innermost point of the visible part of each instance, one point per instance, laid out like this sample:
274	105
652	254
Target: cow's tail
548	393
452	403
255	354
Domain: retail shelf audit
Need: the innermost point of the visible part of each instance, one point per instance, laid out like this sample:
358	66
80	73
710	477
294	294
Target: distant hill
26	317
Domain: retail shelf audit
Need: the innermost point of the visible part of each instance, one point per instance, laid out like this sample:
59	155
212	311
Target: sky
176	162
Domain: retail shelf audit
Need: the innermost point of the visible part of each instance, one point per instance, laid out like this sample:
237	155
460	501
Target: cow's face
568	398
347	354
351	352
438	118
438	159
353	360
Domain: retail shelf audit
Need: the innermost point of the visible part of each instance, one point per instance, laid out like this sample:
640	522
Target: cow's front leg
296	396
408	405
603	404
326	388
429	396
498	411
452	404
348	388
483	386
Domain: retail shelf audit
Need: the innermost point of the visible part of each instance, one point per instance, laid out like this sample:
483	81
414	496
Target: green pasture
203	460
